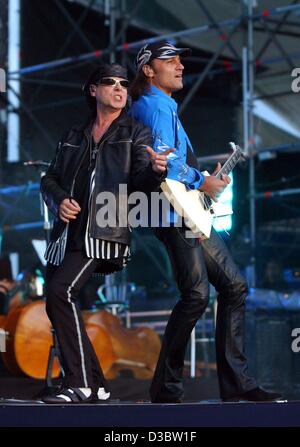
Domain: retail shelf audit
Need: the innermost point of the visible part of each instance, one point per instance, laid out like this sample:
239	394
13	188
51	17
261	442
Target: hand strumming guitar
214	186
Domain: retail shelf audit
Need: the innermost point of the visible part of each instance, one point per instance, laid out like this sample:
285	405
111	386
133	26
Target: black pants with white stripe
63	283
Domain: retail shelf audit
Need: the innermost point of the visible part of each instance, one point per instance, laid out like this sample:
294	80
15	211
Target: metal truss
247	62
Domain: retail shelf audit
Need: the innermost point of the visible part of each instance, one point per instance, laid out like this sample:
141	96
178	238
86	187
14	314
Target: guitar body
189	204
198	210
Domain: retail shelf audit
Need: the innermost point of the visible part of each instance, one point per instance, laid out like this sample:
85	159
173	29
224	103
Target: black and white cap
158	50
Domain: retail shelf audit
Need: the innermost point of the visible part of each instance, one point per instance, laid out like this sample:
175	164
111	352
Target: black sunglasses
113	82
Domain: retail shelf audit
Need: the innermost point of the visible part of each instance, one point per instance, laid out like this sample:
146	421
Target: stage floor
16	413
129	407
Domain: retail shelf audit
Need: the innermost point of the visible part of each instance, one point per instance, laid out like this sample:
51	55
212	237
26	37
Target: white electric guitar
197	209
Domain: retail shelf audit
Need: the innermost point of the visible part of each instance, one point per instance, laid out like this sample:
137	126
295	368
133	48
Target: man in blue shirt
195	263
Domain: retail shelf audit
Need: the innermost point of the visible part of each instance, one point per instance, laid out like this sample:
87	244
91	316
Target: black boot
255	395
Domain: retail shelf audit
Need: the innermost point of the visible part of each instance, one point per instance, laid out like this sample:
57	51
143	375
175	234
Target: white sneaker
102	394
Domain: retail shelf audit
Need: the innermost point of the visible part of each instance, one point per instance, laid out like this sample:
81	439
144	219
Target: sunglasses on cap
113	82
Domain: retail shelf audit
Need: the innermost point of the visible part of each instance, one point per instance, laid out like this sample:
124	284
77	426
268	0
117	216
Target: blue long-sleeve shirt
159	111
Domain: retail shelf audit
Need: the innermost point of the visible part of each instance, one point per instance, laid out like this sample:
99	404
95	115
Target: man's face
110	96
166	74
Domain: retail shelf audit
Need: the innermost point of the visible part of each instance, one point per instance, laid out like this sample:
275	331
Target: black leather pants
195	264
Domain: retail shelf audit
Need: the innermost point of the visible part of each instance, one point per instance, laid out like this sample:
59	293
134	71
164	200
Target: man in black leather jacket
111	150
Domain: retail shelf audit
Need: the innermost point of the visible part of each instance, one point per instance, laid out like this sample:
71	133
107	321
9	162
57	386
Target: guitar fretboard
226	169
231	162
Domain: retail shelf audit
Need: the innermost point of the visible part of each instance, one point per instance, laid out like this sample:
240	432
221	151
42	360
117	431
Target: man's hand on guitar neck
214	186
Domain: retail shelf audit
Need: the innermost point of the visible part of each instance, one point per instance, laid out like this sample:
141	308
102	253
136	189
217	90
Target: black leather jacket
121	159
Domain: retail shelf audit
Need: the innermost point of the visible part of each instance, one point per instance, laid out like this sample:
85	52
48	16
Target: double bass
136	349
29	340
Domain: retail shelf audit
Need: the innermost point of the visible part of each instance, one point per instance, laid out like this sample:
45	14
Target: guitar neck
230	163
